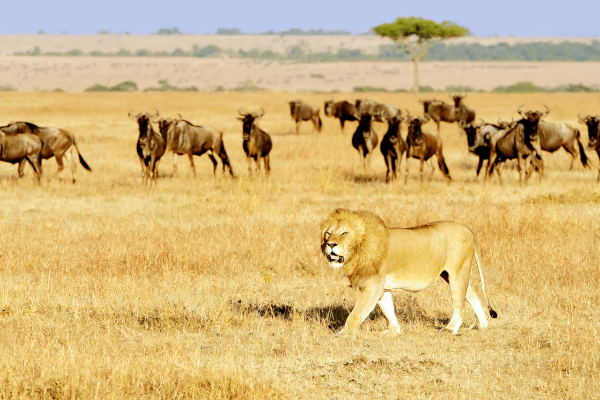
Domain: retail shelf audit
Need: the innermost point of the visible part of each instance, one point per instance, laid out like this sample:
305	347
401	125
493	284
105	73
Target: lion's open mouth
335	258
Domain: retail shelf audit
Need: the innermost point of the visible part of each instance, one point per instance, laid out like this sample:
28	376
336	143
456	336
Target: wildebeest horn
241	113
580	118
426	118
520	112
482	123
408	115
157	114
547	111
180	117
132	116
262	112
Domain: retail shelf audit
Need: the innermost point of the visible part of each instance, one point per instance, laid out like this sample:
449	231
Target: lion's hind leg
386	303
474	301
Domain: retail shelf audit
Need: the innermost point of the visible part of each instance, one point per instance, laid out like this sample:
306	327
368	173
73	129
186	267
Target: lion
378	259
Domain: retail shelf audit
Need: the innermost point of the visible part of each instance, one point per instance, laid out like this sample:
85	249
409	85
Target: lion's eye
344	233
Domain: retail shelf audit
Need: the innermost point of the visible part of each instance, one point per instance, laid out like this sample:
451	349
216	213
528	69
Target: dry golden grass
215	288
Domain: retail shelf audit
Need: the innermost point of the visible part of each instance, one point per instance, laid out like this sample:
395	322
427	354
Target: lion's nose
332	245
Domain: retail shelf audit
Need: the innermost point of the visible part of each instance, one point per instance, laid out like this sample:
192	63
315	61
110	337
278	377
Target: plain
215	287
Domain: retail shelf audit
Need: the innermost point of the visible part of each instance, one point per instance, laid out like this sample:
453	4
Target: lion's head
356	241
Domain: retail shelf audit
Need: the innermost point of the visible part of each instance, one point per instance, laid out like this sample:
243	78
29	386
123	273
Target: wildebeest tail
224	158
444	167
584	159
81	160
320	123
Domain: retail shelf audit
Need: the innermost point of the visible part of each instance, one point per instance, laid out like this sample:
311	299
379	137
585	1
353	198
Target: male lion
378	259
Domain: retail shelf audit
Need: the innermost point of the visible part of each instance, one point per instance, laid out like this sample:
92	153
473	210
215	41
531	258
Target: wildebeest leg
60	164
267	161
22	166
421	162
174	163
432	168
69	155
342	122
249	165
143	164
191	157
298	127
388	164
572	152
479	165
406	169
214	161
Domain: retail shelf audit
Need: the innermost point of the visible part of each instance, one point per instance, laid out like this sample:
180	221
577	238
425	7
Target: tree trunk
415	61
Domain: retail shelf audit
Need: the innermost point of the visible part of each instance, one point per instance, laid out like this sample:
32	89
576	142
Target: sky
484	18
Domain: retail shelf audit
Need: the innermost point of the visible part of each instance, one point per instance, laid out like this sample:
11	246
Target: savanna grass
214	287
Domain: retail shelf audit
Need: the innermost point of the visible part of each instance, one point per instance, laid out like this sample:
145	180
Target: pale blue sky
483	18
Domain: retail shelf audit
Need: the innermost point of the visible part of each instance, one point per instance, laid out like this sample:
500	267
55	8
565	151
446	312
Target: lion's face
340	238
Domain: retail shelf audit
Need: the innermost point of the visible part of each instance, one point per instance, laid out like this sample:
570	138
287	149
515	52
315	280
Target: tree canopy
422	28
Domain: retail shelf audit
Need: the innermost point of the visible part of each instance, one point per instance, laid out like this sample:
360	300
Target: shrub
519	87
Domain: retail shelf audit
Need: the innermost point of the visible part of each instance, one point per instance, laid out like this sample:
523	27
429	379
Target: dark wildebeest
593	124
21	148
342	110
365	138
520	142
553	136
393	147
479	141
301	111
145	126
151	146
57	143
439	111
423	145
464	113
257	143
183	137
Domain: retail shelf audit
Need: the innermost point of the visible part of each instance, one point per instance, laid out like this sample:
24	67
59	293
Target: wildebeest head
249	121
414	127
533	118
472	131
365	123
506	124
457	99
143	121
165	123
294	104
327	108
593	124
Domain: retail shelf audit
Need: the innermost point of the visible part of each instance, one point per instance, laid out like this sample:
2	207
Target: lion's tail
493	313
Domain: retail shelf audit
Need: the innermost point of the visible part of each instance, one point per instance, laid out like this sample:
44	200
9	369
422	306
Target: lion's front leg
370	292
386	303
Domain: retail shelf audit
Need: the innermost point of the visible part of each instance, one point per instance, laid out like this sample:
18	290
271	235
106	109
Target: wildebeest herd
522	140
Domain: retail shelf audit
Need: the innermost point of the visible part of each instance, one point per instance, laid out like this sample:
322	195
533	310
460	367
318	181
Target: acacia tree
416	35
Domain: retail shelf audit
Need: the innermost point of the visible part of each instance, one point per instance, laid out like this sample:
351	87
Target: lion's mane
369	247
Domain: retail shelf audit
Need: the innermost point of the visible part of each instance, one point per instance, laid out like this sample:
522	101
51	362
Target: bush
425	89
369	89
208	51
519	87
165	86
126	86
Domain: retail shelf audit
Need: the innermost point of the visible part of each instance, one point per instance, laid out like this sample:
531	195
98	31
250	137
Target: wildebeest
183	137
257	143
593	124
365	138
464	113
519	142
478	141
342	110
393	147
553	136
21	148
439	111
423	145
145	126
57	143
302	111
151	146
